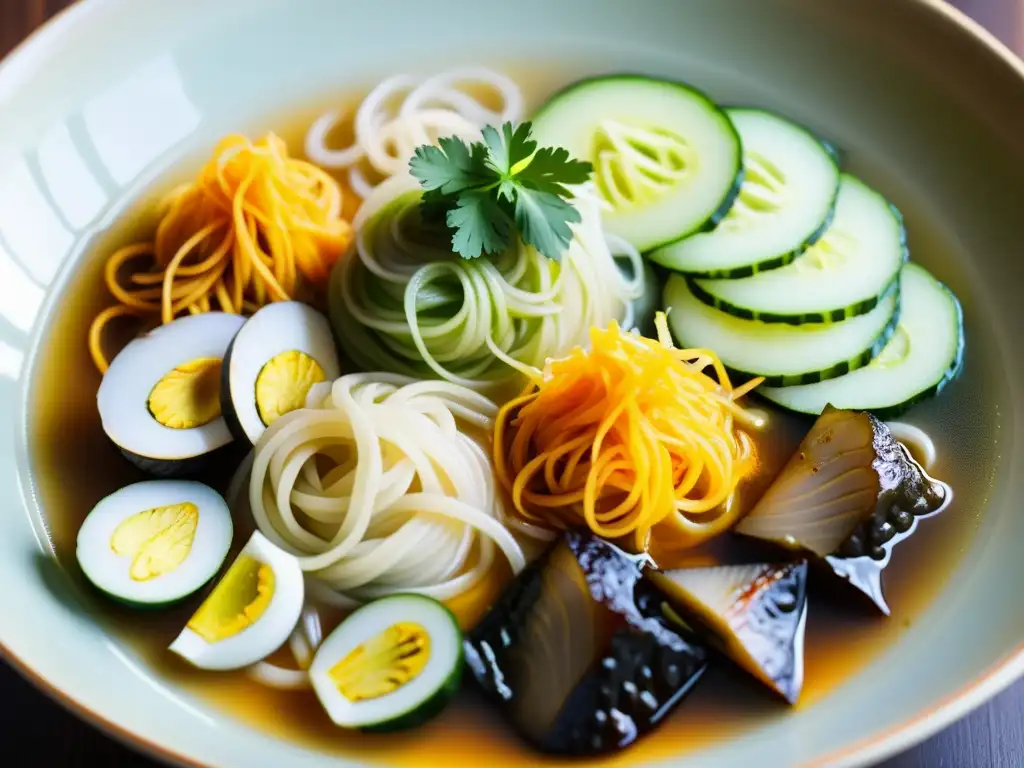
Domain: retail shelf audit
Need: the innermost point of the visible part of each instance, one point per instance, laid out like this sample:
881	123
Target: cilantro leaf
480	225
484	190
510	147
451	167
543	220
551	169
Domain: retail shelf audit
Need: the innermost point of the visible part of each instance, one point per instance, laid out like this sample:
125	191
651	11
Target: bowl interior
107	100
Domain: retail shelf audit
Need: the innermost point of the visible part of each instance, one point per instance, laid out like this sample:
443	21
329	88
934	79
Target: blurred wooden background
30	724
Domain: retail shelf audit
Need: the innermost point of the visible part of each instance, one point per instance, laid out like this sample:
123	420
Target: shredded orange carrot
631	438
242	234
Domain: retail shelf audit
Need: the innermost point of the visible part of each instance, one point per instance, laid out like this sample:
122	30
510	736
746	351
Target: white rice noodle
300	648
620	248
283	679
384	487
303	643
405	112
311	627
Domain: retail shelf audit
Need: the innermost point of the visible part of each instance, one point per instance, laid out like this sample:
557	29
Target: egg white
110	571
368	622
124	392
279	327
268	633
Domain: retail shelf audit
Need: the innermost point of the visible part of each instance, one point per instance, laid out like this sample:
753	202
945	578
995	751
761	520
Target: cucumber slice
785	355
153	543
789	187
925	353
391	664
851	268
665	156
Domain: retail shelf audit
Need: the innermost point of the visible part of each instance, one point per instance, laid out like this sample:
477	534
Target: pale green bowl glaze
95	105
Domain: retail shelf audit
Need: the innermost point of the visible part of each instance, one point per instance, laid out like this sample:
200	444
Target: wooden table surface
992	737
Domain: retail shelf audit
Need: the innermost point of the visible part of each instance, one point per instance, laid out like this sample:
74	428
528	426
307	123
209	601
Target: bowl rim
17	68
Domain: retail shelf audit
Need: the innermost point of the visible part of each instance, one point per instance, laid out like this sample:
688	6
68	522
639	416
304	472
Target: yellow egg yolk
158	540
189	395
237	602
384	663
284	382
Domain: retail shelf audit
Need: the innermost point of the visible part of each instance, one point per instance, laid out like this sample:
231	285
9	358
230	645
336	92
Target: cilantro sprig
487	190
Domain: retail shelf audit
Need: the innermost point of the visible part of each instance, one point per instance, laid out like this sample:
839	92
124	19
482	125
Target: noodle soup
434	350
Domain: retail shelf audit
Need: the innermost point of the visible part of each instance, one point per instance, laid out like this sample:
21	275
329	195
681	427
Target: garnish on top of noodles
481	252
632	438
488	190
254	226
404	302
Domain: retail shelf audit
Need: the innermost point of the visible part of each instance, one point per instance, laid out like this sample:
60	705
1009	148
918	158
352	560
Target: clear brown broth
74	466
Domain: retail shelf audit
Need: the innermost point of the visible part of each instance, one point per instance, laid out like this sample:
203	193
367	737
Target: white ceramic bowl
101	101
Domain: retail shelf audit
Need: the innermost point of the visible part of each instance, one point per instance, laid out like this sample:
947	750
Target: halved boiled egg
281	351
160	399
249	614
155	542
391	664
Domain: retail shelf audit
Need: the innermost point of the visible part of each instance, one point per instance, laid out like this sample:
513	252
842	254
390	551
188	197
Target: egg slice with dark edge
249	614
392	664
754	614
155	542
159	402
281	351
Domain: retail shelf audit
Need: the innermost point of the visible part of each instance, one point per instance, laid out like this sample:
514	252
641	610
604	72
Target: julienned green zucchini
923	356
784	355
790	183
847	272
391	665
665	156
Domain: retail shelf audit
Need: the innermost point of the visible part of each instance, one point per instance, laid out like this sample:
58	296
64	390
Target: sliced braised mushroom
849	494
577	653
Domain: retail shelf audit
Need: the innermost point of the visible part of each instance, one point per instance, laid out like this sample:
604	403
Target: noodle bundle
404	302
627	438
386	132
383	486
248	230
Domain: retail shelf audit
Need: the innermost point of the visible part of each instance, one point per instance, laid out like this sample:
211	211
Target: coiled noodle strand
383	486
404	302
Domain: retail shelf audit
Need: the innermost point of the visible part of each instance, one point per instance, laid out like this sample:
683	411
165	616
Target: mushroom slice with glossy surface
754	614
249	614
159	401
577	654
849	494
